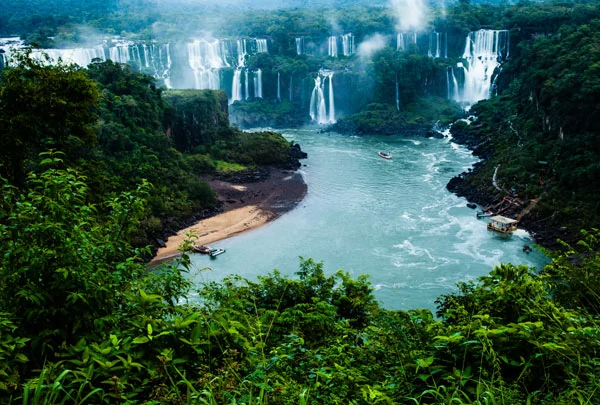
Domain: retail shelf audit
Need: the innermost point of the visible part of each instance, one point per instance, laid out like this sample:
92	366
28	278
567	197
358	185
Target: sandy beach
246	207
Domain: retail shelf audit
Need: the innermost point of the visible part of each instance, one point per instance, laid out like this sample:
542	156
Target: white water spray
410	14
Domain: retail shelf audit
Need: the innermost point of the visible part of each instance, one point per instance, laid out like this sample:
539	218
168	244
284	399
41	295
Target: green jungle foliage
118	130
83	321
415	118
44	108
542	128
264	113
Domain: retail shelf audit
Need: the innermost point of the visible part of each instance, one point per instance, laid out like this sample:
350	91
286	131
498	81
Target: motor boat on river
201	249
385	155
216	252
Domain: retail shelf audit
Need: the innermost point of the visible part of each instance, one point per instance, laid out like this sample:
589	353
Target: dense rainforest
546	86
118	130
97	161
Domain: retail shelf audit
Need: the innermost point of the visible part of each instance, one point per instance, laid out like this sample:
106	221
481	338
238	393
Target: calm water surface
391	219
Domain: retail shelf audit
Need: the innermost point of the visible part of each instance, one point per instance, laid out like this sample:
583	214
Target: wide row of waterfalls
223	64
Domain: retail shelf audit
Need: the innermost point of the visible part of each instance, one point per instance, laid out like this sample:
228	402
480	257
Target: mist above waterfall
372	44
411	15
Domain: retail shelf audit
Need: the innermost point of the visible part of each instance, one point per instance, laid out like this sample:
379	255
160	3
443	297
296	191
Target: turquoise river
393	220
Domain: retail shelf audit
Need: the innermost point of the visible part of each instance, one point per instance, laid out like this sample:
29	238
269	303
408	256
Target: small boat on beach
216	252
385	155
502	224
201	249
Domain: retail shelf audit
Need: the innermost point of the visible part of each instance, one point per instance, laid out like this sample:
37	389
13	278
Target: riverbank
479	188
245	206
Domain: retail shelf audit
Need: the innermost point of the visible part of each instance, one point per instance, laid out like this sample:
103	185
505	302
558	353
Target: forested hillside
540	130
115	128
97	161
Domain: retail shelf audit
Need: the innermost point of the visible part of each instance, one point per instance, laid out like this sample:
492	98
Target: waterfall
318	108
404	41
153	58
246	85
452	84
315	99
134	57
79	56
241	52
261	46
299	46
484	52
331	99
119	53
318	111
6	46
146	58
438	45
236	85
455	87
206	58
278	87
166	69
258	91
332	47
348	44
236	89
